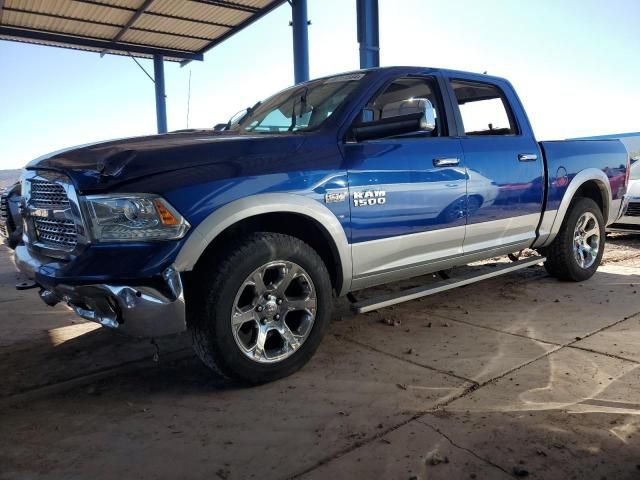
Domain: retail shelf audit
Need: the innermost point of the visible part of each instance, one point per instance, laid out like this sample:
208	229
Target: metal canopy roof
179	30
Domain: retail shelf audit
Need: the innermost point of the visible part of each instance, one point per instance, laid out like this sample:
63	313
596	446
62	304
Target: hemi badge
333	197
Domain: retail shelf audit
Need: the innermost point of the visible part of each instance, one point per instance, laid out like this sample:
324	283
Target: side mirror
407	116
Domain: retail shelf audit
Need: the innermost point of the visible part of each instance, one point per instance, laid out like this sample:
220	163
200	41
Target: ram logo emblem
369	198
334	197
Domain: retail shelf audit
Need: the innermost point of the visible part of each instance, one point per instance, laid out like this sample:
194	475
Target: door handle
527	157
446	162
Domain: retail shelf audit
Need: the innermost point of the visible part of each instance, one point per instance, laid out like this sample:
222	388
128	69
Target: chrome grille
52	225
633	210
48	195
4	215
56	233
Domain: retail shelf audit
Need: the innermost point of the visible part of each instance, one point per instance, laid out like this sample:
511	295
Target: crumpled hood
102	165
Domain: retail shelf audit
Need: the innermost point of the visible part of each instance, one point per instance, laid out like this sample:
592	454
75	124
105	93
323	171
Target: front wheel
577	250
263	310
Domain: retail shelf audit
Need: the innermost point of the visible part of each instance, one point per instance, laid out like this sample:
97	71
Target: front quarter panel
214	224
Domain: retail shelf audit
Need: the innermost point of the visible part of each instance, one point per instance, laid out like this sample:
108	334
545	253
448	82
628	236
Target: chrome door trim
446	162
527	157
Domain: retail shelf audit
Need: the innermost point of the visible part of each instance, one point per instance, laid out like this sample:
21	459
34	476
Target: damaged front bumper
137	310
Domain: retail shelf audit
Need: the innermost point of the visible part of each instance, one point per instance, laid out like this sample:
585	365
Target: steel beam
95	3
300	23
96	43
230	5
161	101
123	29
134	18
368	33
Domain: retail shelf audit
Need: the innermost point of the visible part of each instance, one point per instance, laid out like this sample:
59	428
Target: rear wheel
263	310
577	250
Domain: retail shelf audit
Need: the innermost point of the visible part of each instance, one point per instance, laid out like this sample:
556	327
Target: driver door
408	192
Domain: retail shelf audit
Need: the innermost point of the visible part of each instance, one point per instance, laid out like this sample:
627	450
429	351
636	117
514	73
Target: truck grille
4	215
633	210
57	233
48	195
53	226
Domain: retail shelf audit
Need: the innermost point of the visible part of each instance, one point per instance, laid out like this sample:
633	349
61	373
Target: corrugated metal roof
178	29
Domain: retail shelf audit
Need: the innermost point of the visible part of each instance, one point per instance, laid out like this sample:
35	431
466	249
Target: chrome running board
442	286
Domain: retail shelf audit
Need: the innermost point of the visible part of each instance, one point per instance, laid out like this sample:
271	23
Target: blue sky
574	63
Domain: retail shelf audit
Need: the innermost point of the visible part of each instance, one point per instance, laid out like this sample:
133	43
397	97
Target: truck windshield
302	107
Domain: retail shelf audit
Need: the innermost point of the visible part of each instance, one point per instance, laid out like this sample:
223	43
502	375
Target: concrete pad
41	345
548	444
23	317
622	340
162	423
574	414
544	308
476	354
413	450
569	379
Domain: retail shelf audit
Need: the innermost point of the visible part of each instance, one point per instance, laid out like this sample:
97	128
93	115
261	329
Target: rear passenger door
407	191
504	167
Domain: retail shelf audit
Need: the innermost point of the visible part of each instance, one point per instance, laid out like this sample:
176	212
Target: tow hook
49	297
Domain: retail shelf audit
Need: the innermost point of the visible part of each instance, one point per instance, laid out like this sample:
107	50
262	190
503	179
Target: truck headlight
133	217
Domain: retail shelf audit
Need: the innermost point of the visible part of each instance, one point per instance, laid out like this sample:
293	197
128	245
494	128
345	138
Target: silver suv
630	220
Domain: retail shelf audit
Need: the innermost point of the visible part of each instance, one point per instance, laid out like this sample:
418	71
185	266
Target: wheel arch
286	213
591	183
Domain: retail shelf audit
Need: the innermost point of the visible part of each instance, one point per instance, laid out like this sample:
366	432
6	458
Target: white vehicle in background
630	220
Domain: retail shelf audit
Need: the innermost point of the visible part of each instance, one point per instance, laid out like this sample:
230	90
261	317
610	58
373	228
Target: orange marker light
166	216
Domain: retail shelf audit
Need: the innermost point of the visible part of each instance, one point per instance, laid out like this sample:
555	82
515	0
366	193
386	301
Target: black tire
217	287
561	262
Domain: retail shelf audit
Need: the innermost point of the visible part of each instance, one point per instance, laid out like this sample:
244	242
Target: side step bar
419	292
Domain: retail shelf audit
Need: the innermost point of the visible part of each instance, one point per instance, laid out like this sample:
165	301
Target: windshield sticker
346	78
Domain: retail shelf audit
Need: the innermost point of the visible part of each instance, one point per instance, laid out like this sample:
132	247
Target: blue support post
368	33
300	29
161	103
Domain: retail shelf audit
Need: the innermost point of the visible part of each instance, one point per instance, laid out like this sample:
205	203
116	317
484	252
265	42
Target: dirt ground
518	376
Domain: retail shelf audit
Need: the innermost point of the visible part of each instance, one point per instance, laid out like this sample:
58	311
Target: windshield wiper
303	107
248	111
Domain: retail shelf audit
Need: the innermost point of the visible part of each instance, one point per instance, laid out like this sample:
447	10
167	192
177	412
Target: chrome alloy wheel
586	240
274	311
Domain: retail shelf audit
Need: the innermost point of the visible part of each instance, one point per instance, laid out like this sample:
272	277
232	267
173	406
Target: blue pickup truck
244	234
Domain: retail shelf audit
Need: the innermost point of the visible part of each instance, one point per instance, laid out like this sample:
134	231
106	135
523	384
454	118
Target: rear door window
483	109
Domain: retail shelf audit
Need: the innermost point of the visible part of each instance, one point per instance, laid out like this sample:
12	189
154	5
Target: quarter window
483	109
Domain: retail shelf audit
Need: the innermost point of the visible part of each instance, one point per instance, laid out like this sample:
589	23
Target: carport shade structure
171	30
164	30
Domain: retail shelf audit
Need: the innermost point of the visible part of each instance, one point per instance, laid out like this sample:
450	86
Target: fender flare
552	220
228	215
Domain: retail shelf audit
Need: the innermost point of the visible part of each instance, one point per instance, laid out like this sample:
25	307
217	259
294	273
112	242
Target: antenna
189	98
